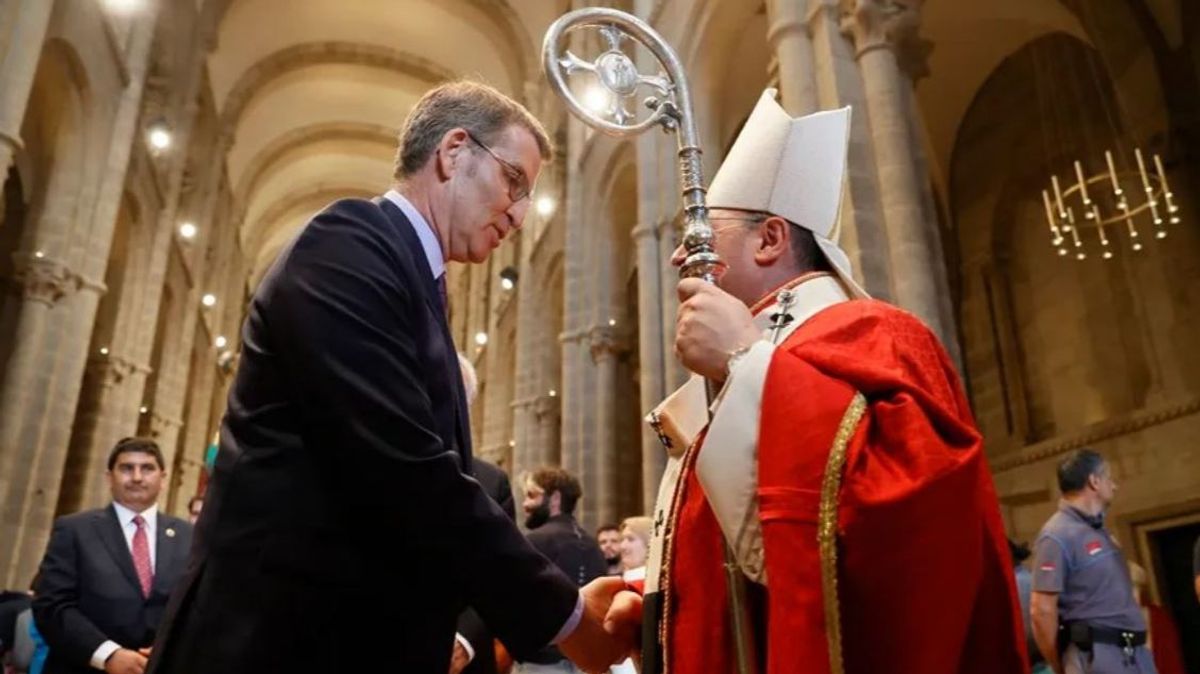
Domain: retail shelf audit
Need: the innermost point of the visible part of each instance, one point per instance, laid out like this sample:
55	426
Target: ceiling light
122	6
208	300
220	342
481	338
187	230
545	206
158	134
508	277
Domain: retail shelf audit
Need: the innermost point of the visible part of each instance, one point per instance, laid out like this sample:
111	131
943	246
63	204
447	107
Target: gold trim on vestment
827	520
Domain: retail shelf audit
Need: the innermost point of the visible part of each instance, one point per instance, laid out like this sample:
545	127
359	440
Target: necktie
141	556
441	283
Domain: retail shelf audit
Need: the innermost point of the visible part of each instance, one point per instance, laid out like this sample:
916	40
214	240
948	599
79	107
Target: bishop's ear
774	241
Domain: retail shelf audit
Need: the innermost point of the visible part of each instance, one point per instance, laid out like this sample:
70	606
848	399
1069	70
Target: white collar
125	515
429	240
808	298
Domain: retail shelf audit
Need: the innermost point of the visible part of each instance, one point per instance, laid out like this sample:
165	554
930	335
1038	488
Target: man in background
551	495
1085	617
608	537
104	582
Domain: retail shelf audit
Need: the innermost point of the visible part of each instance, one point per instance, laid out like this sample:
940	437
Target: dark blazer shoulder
85	517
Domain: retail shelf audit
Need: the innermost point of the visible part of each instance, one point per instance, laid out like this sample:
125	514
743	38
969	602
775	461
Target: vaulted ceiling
312	93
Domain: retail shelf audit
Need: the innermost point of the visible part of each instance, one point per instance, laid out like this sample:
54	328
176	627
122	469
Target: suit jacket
88	591
470	625
340	531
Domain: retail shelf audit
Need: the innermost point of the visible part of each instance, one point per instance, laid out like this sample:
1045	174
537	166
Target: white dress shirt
437	264
128	528
429	241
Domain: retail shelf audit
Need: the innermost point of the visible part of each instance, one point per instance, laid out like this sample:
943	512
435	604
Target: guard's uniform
1076	558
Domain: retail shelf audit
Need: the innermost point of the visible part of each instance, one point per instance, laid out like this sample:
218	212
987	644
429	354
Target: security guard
1085	619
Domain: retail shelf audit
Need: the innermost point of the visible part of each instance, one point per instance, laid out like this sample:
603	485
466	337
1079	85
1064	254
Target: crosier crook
671	109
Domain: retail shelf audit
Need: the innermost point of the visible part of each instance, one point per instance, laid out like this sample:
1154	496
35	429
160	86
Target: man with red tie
107	573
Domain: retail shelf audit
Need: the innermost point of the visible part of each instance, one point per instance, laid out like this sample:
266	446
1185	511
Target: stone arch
278	149
502	16
1052	345
274	237
300	56
55	134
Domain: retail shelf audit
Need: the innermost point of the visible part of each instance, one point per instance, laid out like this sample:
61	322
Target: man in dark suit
342	530
104	582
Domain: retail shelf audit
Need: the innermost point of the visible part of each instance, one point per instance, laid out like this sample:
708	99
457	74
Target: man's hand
710	325
125	661
604	635
459	659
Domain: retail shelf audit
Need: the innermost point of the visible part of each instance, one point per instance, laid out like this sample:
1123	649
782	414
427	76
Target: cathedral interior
158	156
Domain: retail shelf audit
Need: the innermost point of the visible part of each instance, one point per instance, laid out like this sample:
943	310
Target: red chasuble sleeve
863	415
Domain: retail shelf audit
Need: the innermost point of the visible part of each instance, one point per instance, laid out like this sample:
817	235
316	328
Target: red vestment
862	414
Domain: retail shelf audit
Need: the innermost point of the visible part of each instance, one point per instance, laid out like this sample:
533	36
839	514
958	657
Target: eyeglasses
518	182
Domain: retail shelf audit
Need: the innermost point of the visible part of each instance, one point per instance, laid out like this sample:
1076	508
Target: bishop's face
736	237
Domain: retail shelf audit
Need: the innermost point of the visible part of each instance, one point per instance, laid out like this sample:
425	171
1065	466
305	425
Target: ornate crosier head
614	80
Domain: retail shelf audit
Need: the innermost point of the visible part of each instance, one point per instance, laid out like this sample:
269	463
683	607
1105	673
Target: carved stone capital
545	406
572	336
111	370
42	279
607	342
881	24
161	425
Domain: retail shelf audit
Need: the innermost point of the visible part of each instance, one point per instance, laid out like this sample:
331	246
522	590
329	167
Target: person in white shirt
107	573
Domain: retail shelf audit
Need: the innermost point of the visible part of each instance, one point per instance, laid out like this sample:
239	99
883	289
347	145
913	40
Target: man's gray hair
476	107
469	378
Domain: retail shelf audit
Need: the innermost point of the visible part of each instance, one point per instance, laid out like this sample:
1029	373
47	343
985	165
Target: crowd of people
347	525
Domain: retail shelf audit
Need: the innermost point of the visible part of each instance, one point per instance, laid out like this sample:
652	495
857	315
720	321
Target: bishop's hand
711	324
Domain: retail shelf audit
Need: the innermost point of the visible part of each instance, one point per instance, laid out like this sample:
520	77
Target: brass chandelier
1096	209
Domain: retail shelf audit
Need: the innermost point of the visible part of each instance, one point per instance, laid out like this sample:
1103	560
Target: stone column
674	373
101	419
877	27
573	354
787	33
546	416
19	63
47	423
650	351
606	346
22	396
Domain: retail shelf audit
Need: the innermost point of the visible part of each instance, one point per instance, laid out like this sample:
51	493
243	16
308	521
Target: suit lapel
108	526
433	298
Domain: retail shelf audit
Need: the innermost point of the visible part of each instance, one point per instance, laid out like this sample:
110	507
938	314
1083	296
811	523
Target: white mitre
793	167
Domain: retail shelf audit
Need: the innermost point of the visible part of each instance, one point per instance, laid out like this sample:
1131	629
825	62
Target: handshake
609	629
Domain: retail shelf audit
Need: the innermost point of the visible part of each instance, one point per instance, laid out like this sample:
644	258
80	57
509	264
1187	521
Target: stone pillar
27	378
674	373
787	33
877	27
606	347
103	416
650	352
19	63
47	423
573	354
546	416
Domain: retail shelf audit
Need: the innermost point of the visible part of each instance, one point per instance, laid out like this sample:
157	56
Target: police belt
1084	635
